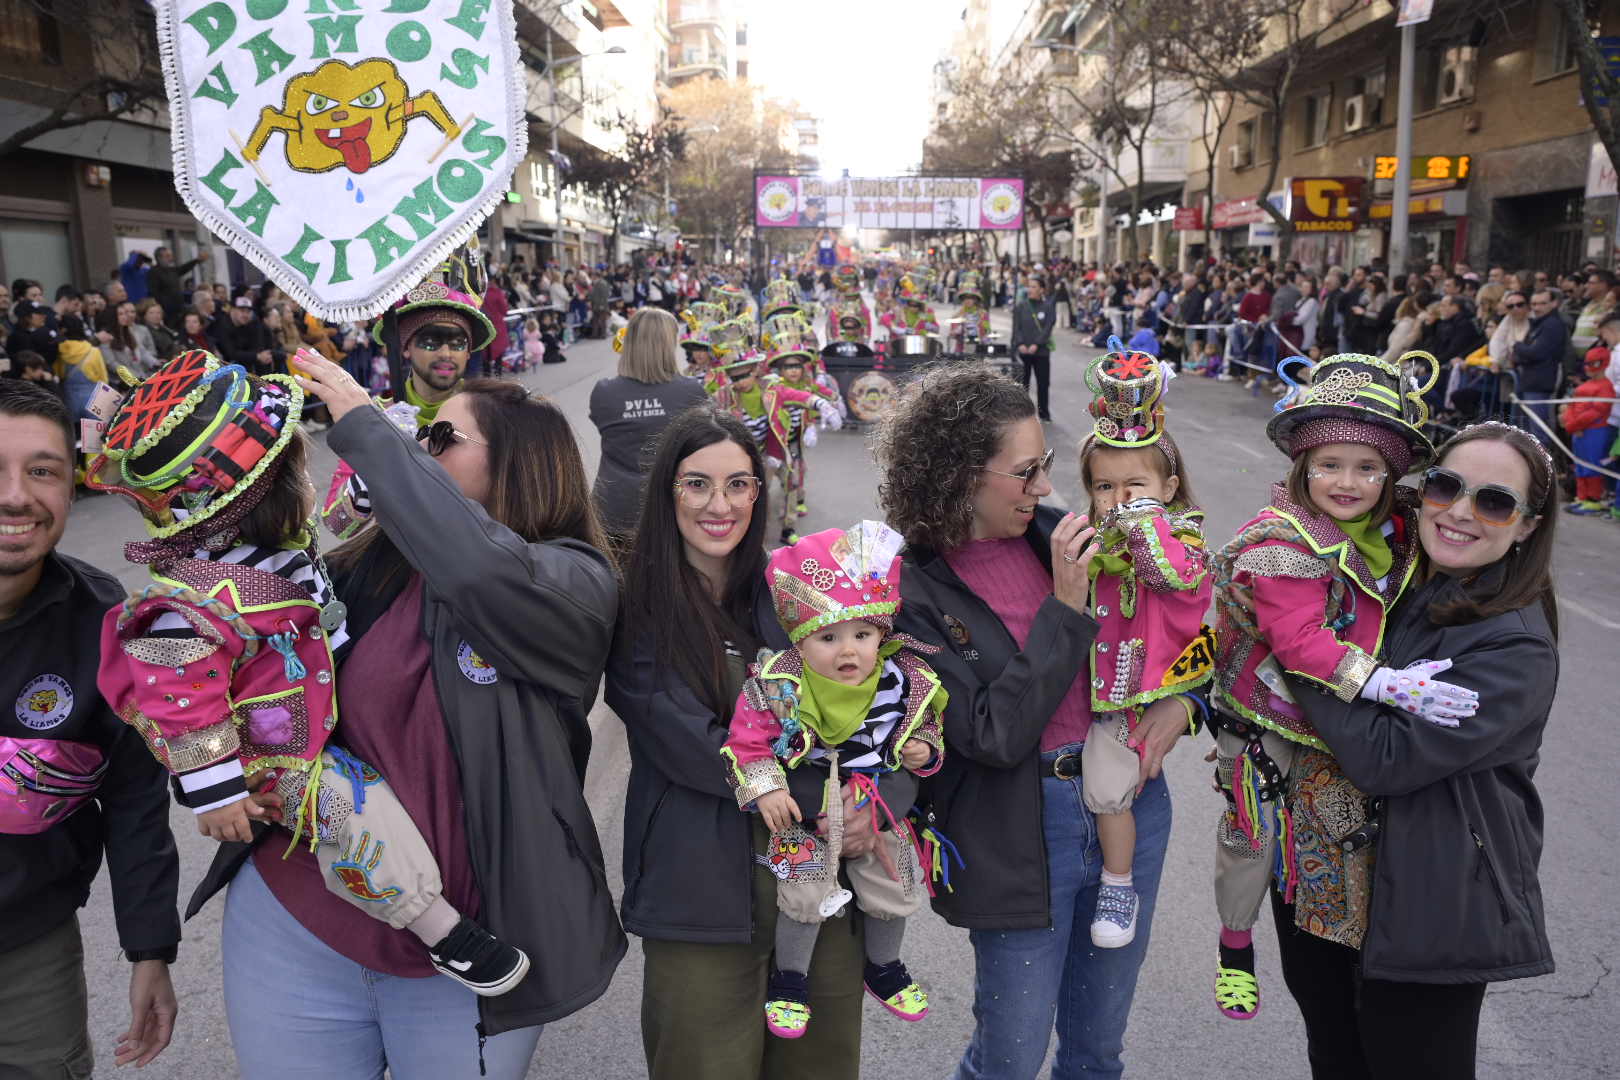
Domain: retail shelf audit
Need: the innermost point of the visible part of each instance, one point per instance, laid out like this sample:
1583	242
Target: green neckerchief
426	411
835	710
1369	540
753	402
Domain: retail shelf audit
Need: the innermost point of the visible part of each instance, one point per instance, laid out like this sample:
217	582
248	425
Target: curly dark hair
946	424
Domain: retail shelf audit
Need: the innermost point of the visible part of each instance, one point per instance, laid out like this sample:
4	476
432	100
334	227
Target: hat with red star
1127	389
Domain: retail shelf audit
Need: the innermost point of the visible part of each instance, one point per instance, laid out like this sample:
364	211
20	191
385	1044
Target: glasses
1511	304
1028	474
431	340
1494	504
1332	470
439	436
696	490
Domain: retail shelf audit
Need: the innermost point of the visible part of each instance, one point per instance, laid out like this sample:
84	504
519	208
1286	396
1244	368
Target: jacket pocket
1488	864
577	851
631	886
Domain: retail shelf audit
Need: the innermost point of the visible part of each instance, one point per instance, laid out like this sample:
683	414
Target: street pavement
1552	1027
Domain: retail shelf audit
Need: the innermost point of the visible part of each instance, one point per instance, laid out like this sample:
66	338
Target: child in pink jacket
1151	592
855	699
1303	591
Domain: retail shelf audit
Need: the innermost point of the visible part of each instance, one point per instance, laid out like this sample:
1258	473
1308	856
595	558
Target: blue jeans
297	1010
1545	412
1027	979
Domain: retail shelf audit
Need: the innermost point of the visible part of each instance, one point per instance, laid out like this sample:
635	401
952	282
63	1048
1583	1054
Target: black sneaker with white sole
478	960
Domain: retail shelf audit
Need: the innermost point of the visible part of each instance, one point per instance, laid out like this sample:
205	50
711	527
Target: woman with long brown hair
480	611
1454	903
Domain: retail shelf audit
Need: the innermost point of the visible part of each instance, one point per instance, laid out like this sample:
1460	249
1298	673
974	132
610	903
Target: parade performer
854	698
973	313
848	317
1304	590
915	315
439	328
781	294
1151	591
790	347
736	301
223	663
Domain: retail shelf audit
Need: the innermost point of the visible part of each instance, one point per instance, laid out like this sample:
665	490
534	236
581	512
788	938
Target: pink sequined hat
1364	399
834	576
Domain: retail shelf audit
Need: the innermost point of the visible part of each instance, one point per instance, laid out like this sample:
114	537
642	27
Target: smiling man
76	781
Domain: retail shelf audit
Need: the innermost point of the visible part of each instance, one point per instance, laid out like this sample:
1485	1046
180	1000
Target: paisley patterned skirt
1332	898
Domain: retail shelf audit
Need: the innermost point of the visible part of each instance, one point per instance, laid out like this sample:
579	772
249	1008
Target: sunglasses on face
1494	504
1028	473
440	435
1511	304
432	340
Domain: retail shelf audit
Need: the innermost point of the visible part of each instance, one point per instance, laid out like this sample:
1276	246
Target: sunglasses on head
440	435
1494	504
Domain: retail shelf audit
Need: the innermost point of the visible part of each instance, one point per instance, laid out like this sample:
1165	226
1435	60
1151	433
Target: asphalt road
1552	1027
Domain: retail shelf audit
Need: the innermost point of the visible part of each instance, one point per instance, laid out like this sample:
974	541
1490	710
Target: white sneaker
1114	924
1224	377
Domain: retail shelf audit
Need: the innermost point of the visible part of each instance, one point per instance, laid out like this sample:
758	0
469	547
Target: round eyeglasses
696	490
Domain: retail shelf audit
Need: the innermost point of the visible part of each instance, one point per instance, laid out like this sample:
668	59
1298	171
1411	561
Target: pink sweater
1007	575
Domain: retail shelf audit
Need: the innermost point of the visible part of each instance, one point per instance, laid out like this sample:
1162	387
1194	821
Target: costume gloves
1415	690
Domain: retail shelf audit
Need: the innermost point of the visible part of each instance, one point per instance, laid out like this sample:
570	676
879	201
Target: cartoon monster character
348	115
42	701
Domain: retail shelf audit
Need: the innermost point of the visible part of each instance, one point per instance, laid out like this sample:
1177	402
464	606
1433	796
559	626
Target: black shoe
1045	418
479	960
789	537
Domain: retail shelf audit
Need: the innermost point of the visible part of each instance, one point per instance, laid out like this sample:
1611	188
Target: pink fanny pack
42	781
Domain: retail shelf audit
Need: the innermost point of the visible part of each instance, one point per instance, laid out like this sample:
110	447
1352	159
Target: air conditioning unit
1355	112
1457	74
1241	157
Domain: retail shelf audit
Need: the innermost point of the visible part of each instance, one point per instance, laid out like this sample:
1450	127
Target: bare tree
98	61
622	179
1600	89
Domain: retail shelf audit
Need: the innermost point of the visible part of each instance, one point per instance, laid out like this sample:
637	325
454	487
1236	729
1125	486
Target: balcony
687	61
684	13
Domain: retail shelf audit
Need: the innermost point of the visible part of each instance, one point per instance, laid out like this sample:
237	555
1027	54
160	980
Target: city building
707	38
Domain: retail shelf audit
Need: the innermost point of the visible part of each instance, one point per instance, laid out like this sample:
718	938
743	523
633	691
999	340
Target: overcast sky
862	67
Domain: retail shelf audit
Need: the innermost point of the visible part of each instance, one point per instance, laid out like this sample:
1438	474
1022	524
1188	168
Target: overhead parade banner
348	148
889	202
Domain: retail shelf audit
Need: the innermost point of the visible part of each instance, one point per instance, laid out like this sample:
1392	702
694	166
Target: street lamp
557	122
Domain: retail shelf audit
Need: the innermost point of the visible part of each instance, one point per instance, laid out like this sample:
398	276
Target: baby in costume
855	699
1304	590
1151	592
224	662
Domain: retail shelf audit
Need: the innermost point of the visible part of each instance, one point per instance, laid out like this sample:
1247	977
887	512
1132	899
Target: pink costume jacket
1152	590
778	398
754	768
1294	596
903	321
254	689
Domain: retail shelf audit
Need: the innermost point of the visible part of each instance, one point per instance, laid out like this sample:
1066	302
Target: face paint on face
438	354
1345	480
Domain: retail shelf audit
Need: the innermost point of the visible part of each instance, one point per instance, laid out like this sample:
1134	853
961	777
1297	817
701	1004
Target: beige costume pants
1243	871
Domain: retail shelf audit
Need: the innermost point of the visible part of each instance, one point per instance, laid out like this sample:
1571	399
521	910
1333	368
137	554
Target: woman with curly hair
1002	583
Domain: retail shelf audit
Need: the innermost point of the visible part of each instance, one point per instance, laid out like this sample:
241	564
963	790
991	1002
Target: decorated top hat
1357	398
781	294
435	302
788	338
194	438
834	576
704	313
968	284
914	284
736	301
846	278
695	336
732	343
1127	389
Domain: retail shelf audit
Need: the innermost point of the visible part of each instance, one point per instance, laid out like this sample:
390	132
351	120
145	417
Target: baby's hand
229	822
778	809
914	754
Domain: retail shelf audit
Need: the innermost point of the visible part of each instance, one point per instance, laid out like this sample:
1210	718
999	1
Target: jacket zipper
1490	872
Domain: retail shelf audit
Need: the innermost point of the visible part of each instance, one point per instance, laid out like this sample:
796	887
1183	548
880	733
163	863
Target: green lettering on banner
405	7
215	180
336	32
254	211
409	42
340	262
261	10
475	141
216	23
217	87
295	257
459	180
471	17
423	209
465	73
387	246
268	57
318	7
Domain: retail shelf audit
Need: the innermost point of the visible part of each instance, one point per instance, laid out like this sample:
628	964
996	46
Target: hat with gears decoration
837	575
1127	388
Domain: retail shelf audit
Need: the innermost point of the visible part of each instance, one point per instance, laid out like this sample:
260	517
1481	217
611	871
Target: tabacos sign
343	146
1325	203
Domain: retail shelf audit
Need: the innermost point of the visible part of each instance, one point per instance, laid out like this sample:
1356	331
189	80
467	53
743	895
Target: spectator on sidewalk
79	365
495	305
1539	360
246	341
115	335
1144	340
54	836
30	367
30	333
1511	328
6	323
163	282
1599	294
154	341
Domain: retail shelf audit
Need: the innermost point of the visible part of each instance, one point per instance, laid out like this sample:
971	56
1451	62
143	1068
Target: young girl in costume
223	663
853	698
1303	590
1151	592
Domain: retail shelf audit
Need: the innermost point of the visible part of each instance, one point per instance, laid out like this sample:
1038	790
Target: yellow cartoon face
349	116
42	701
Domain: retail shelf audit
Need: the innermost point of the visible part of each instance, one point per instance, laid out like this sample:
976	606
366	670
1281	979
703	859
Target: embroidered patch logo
44	703
1196	659
958	632
475	667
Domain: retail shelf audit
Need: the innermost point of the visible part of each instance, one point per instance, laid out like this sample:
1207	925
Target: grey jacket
542	616
1032	323
1455	896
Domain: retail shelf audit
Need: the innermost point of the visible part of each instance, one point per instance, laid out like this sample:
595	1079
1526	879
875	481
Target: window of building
1318	115
1263	134
1555	44
1243	148
28	30
1369	87
742	69
742	35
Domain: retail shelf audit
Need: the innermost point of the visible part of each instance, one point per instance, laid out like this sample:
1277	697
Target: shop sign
1325	203
1600	173
1441	204
1441	168
1188	219
1235	212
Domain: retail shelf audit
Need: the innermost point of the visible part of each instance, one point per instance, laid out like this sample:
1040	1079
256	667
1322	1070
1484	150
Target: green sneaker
893	987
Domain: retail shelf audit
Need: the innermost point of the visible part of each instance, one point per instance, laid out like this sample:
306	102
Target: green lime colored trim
848	614
1227	701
